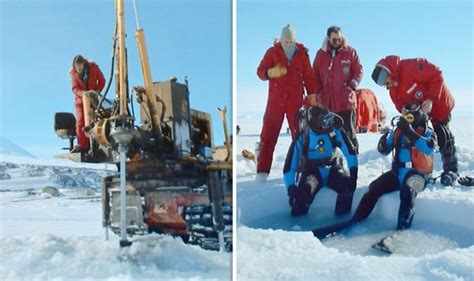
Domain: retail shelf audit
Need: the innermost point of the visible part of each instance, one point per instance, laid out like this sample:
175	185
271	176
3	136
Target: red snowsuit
418	80
285	96
95	82
334	75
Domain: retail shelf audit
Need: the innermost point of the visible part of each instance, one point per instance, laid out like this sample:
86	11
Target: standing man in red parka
419	81
287	68
337	73
86	79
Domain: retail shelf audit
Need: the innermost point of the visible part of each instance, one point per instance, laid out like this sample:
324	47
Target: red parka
334	76
96	82
285	96
418	80
298	76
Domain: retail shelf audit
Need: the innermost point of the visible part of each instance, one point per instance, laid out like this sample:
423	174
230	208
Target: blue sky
40	38
441	31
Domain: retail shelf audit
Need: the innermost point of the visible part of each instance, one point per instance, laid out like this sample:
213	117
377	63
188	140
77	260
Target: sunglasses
336	40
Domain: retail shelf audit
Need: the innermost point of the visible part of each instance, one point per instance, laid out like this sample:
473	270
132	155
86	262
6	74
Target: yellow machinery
168	181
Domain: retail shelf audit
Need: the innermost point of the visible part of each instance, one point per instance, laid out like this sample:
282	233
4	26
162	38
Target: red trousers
272	121
82	139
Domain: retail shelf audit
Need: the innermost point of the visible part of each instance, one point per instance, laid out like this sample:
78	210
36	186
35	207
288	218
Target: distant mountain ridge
19	169
23	176
8	147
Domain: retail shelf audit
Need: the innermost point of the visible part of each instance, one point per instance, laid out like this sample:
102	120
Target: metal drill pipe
123	198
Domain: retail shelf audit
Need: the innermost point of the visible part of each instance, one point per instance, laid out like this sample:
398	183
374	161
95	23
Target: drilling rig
168	180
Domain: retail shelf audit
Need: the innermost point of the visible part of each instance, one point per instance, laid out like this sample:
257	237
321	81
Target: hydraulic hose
111	69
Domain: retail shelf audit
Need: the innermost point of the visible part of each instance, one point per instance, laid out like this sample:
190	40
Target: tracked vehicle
171	178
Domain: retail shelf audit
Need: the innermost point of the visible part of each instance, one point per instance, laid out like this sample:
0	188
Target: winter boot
261	177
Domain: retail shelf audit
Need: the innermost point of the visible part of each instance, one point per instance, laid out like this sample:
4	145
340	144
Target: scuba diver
313	161
412	143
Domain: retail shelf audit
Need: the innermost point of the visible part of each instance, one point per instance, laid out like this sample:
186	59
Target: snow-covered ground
272	245
61	237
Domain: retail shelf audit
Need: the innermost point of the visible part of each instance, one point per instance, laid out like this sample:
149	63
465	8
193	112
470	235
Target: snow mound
281	255
162	257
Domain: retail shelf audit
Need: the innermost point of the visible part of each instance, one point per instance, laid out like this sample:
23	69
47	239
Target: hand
91	93
382	146
403	124
354	84
406	128
311	100
292	194
276	71
426	106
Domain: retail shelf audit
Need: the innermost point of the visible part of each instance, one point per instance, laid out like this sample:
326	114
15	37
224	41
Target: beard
335	46
289	49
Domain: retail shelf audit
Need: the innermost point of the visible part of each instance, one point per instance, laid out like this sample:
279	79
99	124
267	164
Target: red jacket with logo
299	74
418	80
333	75
96	81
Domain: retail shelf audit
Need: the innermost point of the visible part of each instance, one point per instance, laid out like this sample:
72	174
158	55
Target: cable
111	69
131	104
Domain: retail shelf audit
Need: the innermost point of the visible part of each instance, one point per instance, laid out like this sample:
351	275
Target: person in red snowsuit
338	72
86	79
287	68
419	81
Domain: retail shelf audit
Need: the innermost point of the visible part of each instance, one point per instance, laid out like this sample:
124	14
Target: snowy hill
272	245
7	147
21	170
18	172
